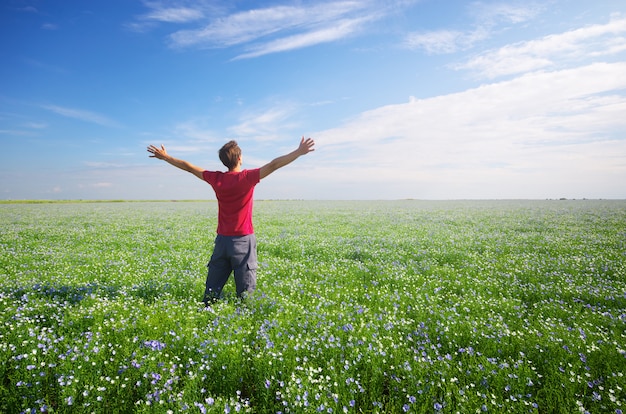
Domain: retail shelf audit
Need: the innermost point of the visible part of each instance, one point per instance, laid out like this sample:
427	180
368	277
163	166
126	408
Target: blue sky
416	99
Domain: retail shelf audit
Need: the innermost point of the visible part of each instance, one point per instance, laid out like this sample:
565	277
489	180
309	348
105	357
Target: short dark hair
229	154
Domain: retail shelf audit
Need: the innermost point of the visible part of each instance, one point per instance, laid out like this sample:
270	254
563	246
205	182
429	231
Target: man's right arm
161	154
306	146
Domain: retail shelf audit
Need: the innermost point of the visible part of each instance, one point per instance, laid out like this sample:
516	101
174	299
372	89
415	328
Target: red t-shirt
234	192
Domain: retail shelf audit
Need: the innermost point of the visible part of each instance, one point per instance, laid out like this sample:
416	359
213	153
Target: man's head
230	155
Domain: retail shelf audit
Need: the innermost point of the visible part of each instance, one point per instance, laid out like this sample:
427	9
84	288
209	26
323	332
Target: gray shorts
232	254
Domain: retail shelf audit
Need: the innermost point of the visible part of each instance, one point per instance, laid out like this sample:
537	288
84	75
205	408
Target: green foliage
383	307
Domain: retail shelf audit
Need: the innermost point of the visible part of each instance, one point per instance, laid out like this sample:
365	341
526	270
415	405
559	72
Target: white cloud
265	125
444	41
434	42
169	12
324	34
195	130
286	27
251	25
531	136
490	14
241	27
175	14
550	51
139	27
489	20
193	137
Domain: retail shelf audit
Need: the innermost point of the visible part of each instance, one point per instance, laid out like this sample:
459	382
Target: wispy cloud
192	136
489	20
82	115
36	125
493	14
339	30
265	125
168	12
550	51
174	14
444	41
271	29
197	132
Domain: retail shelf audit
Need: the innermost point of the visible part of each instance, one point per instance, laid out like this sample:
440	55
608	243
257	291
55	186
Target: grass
407	306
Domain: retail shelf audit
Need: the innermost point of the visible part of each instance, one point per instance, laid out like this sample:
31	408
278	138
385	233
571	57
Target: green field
388	307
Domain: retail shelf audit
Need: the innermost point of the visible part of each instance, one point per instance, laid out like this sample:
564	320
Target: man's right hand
159	153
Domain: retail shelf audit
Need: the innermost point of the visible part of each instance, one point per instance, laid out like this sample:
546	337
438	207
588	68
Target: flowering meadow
361	307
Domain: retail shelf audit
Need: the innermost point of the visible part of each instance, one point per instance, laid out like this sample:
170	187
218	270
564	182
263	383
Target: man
235	244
